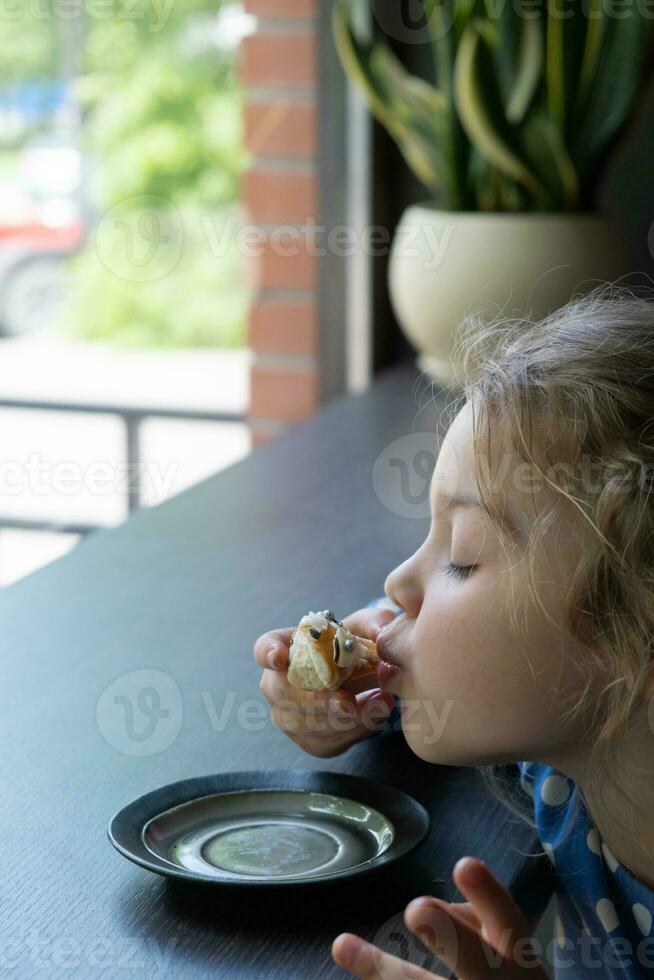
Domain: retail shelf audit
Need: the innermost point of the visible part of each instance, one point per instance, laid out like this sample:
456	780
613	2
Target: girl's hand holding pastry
324	723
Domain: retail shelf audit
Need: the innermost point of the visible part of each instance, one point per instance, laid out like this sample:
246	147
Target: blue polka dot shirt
604	915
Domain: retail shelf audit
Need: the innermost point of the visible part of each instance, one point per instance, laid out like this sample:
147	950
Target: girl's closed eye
458	571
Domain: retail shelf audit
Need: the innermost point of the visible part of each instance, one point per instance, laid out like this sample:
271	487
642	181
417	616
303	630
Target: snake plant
527	97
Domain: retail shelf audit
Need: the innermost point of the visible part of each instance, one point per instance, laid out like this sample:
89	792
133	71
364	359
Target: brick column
279	66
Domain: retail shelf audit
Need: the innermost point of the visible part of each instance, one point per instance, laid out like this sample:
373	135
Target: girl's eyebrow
472	500
460	500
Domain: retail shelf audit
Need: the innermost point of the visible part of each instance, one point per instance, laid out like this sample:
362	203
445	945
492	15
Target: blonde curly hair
568	393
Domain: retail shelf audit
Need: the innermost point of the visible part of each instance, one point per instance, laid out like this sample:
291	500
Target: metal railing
132	417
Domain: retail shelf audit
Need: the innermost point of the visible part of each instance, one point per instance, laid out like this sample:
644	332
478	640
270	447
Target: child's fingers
274	684
360	684
324	714
458	944
271	649
341	706
501	919
368	622
369	962
463	911
374	703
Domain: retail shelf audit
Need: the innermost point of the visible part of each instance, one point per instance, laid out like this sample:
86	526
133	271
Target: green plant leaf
419	116
591	55
518	53
529	70
544	146
479	104
556	61
355	58
537	89
614	90
445	18
414	112
566	41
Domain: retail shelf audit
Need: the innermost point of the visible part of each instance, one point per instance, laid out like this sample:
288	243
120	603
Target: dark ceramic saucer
269	827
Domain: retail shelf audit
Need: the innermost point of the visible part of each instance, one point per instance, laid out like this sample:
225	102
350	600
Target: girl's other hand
324	723
483	938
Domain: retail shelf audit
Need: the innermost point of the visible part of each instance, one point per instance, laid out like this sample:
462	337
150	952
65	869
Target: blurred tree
28	43
162	103
162	120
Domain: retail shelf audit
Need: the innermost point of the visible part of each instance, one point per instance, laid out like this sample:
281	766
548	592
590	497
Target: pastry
324	653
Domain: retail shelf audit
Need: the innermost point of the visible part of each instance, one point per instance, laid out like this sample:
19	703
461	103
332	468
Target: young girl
527	620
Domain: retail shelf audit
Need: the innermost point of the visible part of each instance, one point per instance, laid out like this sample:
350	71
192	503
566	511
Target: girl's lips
385	673
384	649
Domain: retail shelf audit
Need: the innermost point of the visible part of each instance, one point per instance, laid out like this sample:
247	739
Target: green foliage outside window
162	112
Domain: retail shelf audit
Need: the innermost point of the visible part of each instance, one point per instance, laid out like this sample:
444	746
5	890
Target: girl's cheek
438	637
456	629
452	608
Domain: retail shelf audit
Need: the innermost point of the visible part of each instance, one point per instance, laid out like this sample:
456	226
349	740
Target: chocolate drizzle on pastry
346	650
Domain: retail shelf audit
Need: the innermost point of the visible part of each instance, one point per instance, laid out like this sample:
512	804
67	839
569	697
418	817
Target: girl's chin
436	755
441	754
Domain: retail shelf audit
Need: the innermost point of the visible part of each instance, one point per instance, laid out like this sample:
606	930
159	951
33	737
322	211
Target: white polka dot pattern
560	933
555	790
598	898
643	918
606	914
610	858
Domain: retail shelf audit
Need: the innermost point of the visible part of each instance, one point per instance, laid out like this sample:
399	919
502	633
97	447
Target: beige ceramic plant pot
446	264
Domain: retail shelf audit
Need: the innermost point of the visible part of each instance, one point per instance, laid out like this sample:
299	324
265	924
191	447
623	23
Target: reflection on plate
269	834
269	827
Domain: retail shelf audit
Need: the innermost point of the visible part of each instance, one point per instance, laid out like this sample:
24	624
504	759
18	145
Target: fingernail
468	862
435	929
379	703
422	902
351	947
274	657
368	696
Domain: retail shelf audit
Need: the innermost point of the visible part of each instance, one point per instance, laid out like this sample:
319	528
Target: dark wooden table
184	589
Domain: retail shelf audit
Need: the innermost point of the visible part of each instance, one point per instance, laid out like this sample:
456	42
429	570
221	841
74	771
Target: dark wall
628	190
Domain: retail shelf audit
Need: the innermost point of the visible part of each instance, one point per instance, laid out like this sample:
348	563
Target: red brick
281	129
283	328
294	271
283	197
287	396
274	9
279	60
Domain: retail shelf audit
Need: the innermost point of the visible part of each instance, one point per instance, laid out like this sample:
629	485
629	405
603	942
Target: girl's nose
403	587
